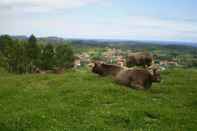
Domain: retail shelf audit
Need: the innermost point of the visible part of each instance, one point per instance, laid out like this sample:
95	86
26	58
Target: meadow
82	101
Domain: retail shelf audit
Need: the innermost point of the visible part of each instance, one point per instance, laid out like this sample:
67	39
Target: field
82	101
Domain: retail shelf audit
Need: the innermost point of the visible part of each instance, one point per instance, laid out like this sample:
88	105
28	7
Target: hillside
80	100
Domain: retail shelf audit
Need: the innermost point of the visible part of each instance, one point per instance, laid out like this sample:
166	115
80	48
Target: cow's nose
159	79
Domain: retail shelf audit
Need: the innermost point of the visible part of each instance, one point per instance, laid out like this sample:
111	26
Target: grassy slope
79	100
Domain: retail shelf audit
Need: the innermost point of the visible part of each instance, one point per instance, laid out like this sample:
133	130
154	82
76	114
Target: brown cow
139	59
137	78
106	69
59	70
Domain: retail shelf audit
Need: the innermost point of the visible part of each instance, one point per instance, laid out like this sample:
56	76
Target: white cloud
42	5
163	24
136	27
129	28
133	27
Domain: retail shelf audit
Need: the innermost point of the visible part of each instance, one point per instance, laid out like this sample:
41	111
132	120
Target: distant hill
20	37
50	39
130	43
54	40
173	43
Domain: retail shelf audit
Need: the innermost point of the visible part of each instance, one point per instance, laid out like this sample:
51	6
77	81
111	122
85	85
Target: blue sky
169	20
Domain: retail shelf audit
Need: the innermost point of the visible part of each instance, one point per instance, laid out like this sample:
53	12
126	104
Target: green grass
82	101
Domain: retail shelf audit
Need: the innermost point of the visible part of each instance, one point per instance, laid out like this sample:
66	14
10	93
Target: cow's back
140	59
135	75
123	77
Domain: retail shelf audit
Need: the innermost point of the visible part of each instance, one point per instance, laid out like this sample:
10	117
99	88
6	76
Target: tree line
26	56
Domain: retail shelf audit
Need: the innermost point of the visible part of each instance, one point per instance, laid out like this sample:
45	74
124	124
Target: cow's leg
137	86
147	84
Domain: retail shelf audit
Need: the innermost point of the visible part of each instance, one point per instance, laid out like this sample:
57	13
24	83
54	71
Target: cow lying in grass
54	70
139	59
136	78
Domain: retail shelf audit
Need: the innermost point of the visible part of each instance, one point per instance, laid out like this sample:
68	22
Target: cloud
164	24
152	26
96	26
136	27
42	5
133	27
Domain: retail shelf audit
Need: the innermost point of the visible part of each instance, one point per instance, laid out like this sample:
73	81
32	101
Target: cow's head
156	76
155	72
97	68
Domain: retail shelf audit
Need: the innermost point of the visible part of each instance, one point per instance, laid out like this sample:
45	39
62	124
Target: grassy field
82	101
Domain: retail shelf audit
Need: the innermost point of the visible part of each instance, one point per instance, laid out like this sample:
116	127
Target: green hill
80	100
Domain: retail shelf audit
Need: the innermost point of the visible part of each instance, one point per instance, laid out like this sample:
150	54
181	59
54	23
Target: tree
64	56
7	48
24	56
38	61
48	57
2	60
32	52
22	64
97	56
6	43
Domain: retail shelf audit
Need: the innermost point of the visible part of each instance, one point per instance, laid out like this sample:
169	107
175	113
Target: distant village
115	56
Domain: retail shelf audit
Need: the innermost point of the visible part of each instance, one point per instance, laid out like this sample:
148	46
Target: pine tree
32	52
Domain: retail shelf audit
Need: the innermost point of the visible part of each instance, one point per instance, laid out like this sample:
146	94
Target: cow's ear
150	69
94	64
91	65
101	62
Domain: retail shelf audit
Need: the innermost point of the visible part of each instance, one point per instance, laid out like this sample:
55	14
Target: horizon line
105	39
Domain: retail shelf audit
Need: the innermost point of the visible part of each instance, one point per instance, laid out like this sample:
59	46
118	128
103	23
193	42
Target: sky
166	20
